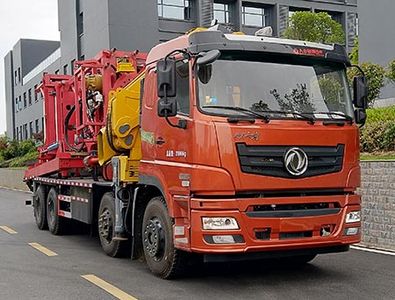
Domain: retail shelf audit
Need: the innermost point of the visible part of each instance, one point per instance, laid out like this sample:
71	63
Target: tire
157	233
106	229
57	225
40	208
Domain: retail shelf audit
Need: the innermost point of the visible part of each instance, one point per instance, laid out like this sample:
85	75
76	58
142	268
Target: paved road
26	273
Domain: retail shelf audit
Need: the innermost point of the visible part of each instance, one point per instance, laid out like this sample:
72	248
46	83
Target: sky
24	19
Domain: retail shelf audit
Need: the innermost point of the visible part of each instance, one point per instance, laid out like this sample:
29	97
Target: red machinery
76	108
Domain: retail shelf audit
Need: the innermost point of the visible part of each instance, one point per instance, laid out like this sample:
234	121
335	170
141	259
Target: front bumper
280	233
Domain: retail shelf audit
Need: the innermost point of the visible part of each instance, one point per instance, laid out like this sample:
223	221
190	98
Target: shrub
24	160
378	134
13	150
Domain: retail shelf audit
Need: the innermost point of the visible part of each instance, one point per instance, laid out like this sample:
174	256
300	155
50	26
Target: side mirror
360	92
167	107
166	72
208	57
360	116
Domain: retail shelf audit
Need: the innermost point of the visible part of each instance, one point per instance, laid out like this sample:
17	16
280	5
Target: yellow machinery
122	132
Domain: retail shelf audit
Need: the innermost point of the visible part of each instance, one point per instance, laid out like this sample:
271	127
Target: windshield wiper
310	119
331	114
247	111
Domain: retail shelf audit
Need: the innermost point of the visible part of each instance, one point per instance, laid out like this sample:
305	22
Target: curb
373	249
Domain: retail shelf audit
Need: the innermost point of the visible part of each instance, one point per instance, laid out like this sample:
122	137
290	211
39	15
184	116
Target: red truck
214	145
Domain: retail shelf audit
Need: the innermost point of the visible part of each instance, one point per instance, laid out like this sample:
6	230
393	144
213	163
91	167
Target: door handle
160	141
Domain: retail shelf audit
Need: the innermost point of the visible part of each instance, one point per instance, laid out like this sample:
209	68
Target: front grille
293	210
269	160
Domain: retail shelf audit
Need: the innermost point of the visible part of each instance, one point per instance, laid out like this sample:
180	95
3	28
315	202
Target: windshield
277	85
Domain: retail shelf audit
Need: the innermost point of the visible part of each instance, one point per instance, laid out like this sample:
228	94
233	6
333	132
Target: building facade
23	71
87	26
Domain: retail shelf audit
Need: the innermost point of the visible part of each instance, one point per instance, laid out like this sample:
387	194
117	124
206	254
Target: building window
80	24
31	130
19	75
16	105
72	63
175	9
37	126
24	100
16	77
65	69
20	103
57	72
25	132
17	133
20	133
30	97
80	30
35	94
255	16
222	13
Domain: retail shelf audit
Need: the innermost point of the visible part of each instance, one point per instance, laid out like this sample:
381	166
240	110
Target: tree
390	72
375	75
314	27
354	55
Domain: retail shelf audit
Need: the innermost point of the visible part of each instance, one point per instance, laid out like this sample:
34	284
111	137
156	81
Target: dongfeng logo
296	161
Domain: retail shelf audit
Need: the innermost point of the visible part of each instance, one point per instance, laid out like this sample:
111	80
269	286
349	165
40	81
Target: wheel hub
105	225
154	238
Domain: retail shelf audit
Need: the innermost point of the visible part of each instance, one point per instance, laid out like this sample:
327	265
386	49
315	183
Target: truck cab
256	147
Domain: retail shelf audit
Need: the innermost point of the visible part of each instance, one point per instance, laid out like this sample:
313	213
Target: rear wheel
106	228
57	225
157	233
39	206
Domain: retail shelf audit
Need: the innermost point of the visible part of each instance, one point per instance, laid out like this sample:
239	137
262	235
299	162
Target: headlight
219	223
354	216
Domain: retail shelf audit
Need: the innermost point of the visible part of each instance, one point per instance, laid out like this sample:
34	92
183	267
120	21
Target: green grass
378	156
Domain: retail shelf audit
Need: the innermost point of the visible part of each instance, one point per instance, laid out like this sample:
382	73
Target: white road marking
43	249
8	229
109	288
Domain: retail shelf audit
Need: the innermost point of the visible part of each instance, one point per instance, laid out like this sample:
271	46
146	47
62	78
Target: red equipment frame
72	118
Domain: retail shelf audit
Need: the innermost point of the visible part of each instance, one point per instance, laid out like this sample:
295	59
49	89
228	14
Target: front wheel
157	233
